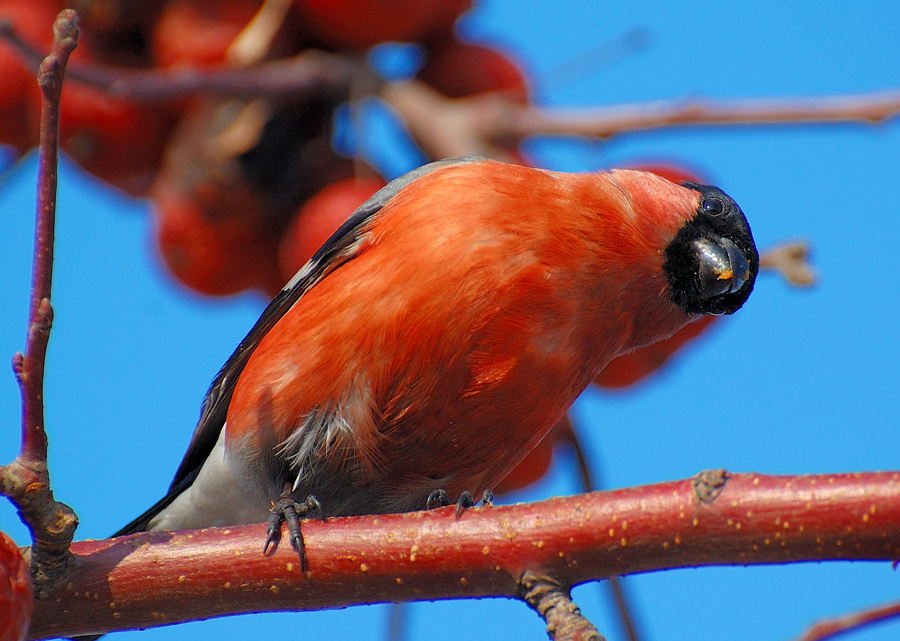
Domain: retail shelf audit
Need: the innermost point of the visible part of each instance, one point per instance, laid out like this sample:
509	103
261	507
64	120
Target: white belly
220	495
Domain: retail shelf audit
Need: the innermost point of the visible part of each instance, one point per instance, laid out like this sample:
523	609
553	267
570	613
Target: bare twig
791	261
311	73
830	628
26	480
445	127
552	601
523	121
397	620
490	124
603	55
750	519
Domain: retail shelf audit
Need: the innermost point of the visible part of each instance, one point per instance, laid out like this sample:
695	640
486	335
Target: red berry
458	69
199	33
319	218
241	192
33	21
13	129
15	592
209	257
118	32
359	24
119	141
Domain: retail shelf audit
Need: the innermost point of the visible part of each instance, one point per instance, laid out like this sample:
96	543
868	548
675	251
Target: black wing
337	250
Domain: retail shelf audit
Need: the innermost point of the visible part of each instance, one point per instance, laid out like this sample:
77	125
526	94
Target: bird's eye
712	205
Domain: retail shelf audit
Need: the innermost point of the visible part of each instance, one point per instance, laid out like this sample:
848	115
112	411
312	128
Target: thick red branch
159	578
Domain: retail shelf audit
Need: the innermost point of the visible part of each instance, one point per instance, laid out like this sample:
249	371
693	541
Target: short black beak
723	268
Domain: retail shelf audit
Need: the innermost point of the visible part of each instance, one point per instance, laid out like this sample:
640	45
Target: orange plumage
439	335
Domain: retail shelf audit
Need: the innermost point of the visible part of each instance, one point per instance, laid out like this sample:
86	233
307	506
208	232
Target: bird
442	331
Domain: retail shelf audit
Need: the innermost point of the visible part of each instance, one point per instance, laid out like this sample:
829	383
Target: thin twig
603	55
486	123
397	622
445	127
830	628
603	122
26	481
310	73
790	260
490	124
553	602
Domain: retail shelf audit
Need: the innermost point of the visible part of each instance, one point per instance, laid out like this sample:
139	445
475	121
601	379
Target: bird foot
286	510
439	498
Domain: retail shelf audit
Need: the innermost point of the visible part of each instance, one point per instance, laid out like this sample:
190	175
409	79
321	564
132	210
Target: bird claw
466	500
286	510
439	498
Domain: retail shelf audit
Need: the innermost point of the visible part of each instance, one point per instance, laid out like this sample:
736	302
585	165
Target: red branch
160	578
620	594
26	480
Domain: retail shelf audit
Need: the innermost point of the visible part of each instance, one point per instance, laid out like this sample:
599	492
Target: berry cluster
244	188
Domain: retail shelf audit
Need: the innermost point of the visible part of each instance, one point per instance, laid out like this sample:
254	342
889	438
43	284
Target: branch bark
26	481
161	578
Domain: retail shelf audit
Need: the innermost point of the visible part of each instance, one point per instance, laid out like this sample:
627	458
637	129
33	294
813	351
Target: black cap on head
712	262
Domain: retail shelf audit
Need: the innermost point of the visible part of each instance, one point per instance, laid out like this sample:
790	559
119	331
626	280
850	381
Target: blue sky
797	382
